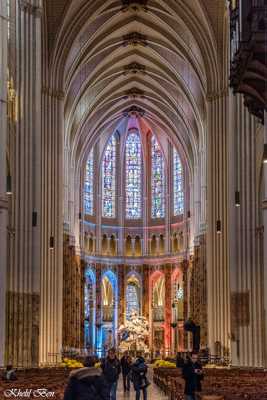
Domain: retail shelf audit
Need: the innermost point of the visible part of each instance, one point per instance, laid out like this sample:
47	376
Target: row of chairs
226	384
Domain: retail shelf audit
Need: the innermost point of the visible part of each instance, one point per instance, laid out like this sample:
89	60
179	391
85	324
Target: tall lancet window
109	179
178	184
157	180
89	185
133	186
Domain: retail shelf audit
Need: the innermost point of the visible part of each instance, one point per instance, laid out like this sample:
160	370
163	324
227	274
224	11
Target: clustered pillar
23	294
3	175
217	225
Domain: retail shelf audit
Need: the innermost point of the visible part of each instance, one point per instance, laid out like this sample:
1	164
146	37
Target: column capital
58	94
28	7
211	96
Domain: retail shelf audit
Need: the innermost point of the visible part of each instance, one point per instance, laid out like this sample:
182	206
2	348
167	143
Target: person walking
126	362
111	368
193	375
139	378
87	383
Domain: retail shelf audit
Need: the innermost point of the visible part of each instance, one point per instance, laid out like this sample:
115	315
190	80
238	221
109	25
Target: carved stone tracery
134	93
134	110
134	68
134	39
134	5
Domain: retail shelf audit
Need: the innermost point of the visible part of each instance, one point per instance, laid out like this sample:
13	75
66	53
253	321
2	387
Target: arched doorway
157	314
177	311
89	310
109	290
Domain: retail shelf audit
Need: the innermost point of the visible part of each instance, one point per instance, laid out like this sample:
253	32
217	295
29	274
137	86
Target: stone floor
153	392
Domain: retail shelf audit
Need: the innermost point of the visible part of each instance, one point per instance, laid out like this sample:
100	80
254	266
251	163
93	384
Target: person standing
126	362
193	375
179	361
139	378
87	383
111	368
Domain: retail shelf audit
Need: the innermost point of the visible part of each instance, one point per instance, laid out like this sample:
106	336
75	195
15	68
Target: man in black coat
193	375
111	368
87	383
126	368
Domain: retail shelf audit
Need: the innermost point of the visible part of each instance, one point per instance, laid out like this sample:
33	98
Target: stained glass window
89	185
133	160
132	302
157	180
178	184
109	179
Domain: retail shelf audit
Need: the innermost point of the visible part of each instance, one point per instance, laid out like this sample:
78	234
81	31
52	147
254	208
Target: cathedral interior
133	176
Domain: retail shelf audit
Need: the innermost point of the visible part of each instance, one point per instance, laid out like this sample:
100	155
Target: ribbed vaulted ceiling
112	58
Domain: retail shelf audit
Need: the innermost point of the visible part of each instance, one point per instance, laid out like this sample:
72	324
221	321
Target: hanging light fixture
51	243
219	226
34	218
8	185
265	154
237	198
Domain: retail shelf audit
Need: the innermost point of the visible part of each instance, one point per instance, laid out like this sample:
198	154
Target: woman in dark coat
140	382
193	375
87	383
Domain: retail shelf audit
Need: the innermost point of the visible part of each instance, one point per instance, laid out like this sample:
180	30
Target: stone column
52	225
24	276
168	200
133	246
185	270
146	289
98	302
3	174
217	242
264	212
168	308
247	279
121	300
157	245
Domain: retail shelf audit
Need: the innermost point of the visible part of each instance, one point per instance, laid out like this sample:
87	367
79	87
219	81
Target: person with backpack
139	378
10	374
87	383
111	368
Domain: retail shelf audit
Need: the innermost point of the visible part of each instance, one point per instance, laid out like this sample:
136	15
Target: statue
134	334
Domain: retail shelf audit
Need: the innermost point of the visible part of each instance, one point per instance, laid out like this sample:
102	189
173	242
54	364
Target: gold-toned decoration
11	101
